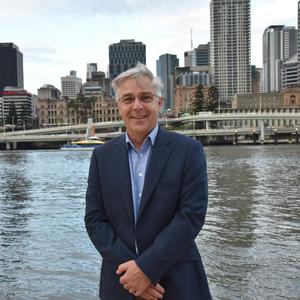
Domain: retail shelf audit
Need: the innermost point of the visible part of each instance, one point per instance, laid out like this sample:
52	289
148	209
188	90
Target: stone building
53	112
289	97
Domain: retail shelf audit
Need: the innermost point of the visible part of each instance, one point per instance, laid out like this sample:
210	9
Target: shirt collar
151	136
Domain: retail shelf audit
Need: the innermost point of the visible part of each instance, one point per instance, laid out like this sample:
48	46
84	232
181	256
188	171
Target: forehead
136	85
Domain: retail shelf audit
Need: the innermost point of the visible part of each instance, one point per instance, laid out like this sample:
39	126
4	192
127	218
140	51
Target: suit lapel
158	159
123	177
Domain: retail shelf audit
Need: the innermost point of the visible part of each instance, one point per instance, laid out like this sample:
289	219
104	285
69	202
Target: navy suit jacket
171	214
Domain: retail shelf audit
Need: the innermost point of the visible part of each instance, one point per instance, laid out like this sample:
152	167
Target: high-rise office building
188	58
165	67
256	79
21	101
91	67
288	39
70	85
289	72
11	66
125	55
230	46
200	55
279	45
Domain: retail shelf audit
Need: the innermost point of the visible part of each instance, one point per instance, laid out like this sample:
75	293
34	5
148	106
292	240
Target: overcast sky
61	35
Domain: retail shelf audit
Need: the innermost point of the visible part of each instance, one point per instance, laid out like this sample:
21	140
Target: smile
138	117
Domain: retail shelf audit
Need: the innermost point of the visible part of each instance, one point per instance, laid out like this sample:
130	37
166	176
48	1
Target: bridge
240	126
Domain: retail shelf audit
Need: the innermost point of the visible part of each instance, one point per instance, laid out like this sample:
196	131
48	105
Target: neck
137	140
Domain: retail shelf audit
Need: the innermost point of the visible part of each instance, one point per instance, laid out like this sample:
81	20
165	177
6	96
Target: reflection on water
250	242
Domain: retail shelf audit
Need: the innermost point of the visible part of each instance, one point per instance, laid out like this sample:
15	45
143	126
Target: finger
147	296
122	268
154	293
131	291
159	288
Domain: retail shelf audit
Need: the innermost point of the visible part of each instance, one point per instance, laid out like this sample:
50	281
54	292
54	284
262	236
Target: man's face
138	106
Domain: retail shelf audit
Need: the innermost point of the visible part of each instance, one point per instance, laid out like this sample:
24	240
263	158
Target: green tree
212	98
198	99
82	106
12	116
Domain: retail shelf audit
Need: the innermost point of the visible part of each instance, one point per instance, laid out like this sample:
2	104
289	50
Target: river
250	243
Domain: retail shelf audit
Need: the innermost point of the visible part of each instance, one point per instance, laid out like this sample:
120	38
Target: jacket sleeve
100	231
175	239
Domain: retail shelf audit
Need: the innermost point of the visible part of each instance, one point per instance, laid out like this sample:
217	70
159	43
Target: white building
279	45
289	73
230	46
70	85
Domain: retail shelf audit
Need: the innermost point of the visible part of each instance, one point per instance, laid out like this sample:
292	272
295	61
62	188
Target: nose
137	104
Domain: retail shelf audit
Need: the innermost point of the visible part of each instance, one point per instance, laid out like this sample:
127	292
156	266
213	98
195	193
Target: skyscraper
200	55
125	55
230	46
279	45
188	58
90	67
165	67
11	66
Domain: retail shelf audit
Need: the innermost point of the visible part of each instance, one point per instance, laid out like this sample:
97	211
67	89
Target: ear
160	102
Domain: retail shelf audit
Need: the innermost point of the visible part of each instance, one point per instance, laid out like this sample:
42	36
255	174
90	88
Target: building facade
70	85
288	39
188	58
90	67
48	91
287	98
52	112
165	67
188	76
289	73
125	55
230	46
183	99
11	66
17	106
279	45
256	79
201	55
101	80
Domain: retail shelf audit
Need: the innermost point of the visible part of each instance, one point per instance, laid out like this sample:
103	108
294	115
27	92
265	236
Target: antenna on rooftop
191	39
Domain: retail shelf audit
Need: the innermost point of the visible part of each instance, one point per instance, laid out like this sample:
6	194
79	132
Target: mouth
138	117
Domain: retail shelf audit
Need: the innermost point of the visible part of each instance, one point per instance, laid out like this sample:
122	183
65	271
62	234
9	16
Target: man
146	201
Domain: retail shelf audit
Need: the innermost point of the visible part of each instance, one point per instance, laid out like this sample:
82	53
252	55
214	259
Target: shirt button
140	194
140	174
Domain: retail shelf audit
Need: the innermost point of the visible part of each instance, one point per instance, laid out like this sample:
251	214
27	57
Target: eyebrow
140	94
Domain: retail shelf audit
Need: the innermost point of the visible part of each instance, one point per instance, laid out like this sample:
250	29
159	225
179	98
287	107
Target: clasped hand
137	283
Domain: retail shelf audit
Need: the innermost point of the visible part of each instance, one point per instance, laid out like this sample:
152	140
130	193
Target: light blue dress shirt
138	162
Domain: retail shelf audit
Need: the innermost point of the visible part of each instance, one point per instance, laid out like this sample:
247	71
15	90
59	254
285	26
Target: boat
89	143
86	144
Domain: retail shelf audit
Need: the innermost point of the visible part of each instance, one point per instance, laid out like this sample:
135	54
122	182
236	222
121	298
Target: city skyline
59	36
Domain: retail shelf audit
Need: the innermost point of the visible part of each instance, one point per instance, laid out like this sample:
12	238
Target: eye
127	100
146	98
